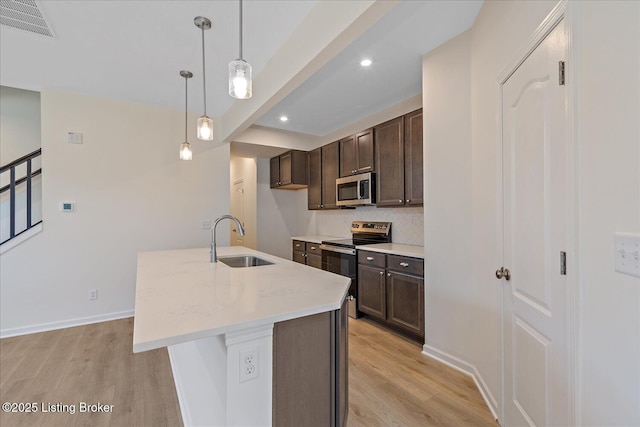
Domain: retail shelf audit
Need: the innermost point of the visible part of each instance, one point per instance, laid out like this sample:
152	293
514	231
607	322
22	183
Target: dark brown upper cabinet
413	167
289	170
314	169
323	171
330	161
398	153
356	153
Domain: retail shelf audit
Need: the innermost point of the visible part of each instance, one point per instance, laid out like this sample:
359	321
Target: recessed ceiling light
284	118
366	62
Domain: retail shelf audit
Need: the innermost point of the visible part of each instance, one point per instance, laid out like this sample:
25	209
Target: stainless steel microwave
356	190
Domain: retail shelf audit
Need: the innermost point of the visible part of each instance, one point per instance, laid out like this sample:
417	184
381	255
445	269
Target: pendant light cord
240	29
204	78
185	108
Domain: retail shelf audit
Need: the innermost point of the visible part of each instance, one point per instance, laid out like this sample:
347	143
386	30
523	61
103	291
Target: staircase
20	196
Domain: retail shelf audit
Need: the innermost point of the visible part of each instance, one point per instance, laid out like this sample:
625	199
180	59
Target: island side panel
302	371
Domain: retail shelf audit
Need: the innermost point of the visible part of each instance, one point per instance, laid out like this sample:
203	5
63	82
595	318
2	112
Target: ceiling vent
24	15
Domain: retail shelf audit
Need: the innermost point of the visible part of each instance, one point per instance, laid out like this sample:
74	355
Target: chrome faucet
213	254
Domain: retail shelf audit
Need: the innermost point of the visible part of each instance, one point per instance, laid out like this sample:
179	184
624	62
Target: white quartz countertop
395	249
181	296
316	239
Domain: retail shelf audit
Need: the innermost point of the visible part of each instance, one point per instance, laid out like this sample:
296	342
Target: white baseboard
43	327
467	369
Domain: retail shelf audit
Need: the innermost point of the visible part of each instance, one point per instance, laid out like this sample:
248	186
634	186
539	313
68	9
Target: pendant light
240	73
185	147
205	124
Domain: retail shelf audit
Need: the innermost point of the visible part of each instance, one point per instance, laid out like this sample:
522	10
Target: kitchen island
234	336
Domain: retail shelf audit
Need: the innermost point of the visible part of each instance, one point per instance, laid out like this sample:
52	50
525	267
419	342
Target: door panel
413	182
314	168
372	295
364	151
535	231
389	140
330	160
348	156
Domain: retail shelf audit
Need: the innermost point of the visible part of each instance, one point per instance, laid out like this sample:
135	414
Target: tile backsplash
407	224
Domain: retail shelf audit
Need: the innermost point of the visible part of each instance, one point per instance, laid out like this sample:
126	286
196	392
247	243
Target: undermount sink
244	261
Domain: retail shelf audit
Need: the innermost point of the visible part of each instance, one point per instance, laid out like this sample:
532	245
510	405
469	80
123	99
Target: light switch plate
627	253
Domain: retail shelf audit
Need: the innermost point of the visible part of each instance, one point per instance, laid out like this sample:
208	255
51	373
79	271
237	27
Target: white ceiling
133	50
343	92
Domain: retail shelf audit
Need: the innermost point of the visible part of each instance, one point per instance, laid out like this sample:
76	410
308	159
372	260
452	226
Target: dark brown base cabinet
310	370
391	291
307	253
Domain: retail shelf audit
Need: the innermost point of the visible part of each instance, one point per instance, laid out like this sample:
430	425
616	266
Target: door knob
382	273
503	272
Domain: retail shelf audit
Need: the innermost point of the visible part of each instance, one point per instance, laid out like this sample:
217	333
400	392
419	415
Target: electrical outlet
206	225
249	363
93	294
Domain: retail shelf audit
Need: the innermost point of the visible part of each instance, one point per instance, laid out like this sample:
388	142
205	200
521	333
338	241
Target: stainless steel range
339	256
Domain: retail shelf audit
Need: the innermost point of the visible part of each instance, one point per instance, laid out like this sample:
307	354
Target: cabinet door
413	183
390	162
330	160
314	167
275	171
314	261
285	169
364	151
405	308
298	256
372	298
348	162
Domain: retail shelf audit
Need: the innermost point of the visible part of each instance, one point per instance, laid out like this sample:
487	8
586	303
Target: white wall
132	194
246	169
450	308
462	149
609	202
281	215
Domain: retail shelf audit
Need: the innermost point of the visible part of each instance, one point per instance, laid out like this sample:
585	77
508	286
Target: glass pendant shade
205	128
240	79
185	151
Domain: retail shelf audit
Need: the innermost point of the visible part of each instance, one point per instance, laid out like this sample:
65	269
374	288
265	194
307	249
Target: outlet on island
92	294
249	363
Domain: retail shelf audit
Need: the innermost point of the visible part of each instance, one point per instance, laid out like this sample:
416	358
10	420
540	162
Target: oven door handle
346	251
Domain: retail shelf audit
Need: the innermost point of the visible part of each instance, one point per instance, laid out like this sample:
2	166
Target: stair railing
13	183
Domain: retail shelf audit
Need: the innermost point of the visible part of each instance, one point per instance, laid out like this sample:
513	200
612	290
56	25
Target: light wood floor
92	363
391	383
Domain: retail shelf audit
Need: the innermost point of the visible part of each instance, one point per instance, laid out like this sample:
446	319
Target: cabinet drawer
313	248
299	245
373	259
405	264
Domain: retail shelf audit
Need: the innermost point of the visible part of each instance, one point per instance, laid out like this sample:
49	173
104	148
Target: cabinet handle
322	206
313	248
382	273
369	258
400	201
404	264
408	201
388	274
